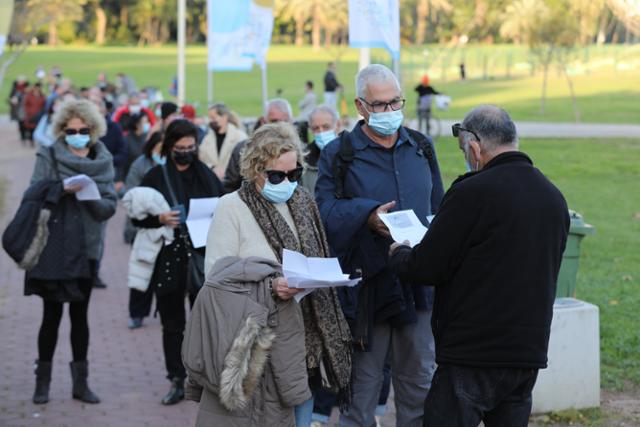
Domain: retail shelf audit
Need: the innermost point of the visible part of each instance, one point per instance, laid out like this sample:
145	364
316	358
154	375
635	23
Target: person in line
19	89
78	126
133	107
425	100
278	110
390	168
138	131
323	121
34	101
493	253
221	139
181	179
188	112
270	213
43	134
331	86
140	301
306	105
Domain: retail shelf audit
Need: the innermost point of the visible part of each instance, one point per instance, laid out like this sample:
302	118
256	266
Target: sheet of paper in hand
404	225
309	273
200	215
89	190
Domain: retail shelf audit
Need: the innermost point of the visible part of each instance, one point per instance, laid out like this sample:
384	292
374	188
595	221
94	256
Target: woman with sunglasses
181	178
269	213
77	126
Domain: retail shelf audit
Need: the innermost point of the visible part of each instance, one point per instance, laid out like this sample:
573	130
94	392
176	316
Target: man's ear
474	147
359	107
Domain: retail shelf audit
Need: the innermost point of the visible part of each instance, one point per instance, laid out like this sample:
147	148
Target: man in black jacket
493	253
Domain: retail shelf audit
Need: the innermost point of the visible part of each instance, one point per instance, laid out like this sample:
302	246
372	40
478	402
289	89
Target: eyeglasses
184	149
379	107
81	131
276	177
457	128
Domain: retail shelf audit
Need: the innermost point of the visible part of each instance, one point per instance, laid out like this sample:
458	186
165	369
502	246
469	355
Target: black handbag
195	266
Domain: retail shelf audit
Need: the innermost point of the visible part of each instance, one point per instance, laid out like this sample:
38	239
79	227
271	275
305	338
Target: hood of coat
228	271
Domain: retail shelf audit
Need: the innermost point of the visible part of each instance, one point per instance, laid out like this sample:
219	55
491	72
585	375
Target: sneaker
135	322
98	283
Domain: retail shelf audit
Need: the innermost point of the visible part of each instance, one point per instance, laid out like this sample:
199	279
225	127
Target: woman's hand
282	289
171	218
72	189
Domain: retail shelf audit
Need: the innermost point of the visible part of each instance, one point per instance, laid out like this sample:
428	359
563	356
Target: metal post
181	50
263	68
209	87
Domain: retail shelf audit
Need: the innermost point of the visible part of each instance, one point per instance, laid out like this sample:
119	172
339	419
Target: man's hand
171	218
395	245
118	185
282	289
375	223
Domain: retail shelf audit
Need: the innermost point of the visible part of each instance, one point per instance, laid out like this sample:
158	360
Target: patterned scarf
327	336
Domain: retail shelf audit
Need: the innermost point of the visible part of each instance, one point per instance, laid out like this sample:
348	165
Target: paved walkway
126	367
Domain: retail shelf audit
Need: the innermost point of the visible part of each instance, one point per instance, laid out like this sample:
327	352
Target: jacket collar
362	141
500	159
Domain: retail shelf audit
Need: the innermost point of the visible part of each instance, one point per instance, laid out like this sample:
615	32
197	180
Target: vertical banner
239	33
6	12
375	23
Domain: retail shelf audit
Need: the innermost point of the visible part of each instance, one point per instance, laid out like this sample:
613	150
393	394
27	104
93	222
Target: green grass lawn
599	179
604	95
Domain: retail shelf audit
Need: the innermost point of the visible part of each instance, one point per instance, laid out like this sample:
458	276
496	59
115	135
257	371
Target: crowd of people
459	324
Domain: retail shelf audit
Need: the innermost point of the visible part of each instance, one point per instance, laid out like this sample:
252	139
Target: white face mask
467	162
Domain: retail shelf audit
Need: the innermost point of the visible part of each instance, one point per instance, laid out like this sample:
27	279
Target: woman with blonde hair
77	150
269	213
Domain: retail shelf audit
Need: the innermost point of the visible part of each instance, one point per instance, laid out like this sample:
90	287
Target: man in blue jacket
380	166
493	253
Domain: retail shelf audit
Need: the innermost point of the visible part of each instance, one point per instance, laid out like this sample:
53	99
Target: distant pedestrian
136	138
463	71
331	86
221	139
425	101
67	276
323	121
33	103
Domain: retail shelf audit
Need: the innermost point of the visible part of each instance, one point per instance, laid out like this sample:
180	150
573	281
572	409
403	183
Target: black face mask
184	158
214	126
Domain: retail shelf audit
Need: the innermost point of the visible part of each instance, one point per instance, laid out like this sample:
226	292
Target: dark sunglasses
276	177
81	131
457	128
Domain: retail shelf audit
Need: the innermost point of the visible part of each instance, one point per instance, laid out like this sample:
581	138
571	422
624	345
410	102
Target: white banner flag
375	23
239	33
6	12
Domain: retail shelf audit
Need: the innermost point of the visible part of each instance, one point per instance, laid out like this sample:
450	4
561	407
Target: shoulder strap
54	160
341	164
167	181
425	147
424	144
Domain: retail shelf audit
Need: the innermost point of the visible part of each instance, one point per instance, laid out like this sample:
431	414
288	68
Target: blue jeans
303	413
463	396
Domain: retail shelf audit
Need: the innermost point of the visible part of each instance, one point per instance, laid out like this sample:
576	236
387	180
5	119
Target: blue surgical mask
279	193
77	141
386	123
324	138
145	127
158	159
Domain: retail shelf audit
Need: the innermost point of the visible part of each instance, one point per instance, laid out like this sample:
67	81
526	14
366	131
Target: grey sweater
100	169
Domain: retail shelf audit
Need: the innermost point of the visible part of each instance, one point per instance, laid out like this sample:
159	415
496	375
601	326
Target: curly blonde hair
84	110
267	144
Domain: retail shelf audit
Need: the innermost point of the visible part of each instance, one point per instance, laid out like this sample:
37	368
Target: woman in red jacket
34	101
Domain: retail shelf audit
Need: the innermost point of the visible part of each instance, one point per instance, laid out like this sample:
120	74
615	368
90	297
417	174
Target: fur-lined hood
237	339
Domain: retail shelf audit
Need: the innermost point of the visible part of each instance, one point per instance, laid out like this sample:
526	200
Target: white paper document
89	190
309	273
404	225
199	219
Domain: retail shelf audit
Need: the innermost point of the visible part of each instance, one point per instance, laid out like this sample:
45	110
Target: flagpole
365	57
209	87
181	50
263	67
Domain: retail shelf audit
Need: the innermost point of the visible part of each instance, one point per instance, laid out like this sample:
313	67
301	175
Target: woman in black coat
183	178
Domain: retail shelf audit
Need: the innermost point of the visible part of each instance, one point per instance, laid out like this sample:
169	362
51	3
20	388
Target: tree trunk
422	12
576	113
299	32
328	38
53	33
101	25
545	76
315	32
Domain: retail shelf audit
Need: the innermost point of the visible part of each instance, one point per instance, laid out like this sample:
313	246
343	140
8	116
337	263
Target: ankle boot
43	379
176	392
81	391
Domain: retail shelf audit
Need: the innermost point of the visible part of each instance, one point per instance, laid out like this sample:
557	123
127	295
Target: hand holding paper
88	188
404	225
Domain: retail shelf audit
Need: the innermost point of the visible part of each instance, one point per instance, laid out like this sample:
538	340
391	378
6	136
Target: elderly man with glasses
377	167
492	253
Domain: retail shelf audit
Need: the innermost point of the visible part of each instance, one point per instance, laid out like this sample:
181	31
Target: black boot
81	391
43	379
176	392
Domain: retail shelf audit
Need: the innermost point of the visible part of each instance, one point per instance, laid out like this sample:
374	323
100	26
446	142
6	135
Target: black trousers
51	317
173	319
464	396
140	303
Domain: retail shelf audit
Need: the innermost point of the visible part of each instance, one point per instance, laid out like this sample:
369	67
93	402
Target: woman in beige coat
224	134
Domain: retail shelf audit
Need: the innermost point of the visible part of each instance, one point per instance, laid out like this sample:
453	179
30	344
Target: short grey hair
281	105
324	109
374	73
492	124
